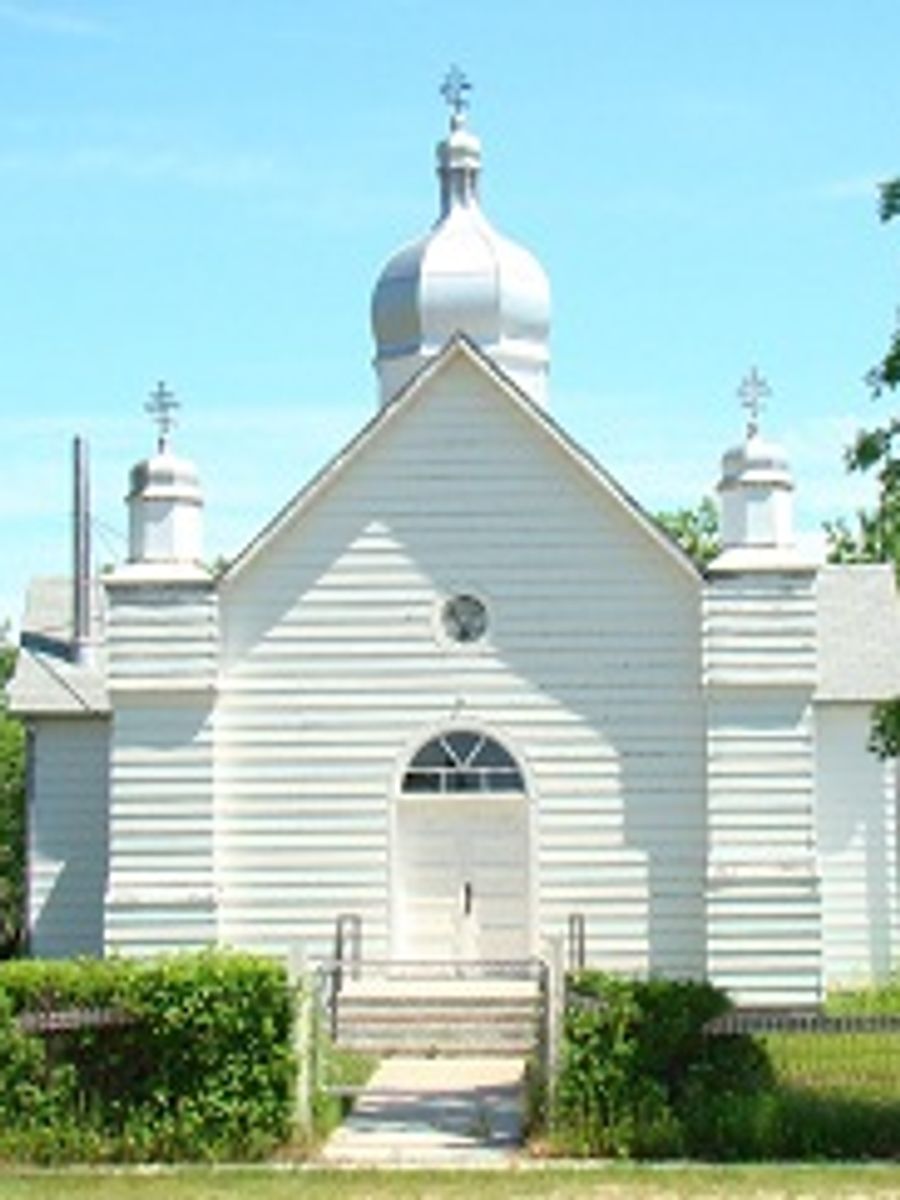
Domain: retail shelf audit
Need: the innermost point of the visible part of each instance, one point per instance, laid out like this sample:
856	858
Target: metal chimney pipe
81	551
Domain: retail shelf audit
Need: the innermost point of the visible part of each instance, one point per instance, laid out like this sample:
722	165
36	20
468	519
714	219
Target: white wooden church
464	687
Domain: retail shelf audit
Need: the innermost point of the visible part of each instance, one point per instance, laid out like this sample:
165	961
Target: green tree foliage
875	536
12	816
695	529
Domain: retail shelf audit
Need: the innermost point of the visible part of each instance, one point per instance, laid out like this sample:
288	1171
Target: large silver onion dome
464	277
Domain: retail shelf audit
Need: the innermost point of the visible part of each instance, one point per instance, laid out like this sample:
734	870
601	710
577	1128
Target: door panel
445	844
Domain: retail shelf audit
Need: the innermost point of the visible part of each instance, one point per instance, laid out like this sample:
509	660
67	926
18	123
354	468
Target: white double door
462	878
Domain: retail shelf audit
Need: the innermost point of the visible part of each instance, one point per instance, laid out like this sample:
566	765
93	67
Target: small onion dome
165	477
165	505
756	461
756	493
462	277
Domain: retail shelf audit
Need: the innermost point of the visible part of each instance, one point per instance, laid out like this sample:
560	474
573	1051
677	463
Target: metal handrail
576	941
348	937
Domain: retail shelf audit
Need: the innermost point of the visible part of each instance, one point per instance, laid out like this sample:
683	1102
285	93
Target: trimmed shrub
637	1065
31	1089
203	1068
640	1078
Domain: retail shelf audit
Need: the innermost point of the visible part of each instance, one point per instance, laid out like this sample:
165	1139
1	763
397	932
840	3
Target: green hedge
835	1096
638	1074
205	1069
640	1079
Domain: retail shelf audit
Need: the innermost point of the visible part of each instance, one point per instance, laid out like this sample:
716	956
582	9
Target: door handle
467	899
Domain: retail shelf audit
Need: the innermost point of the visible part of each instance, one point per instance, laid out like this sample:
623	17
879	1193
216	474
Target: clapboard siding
335	669
763	906
161	836
160	634
67	836
760	629
857	831
163	664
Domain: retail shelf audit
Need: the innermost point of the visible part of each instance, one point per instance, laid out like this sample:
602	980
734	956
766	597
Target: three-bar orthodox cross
754	390
162	406
454	89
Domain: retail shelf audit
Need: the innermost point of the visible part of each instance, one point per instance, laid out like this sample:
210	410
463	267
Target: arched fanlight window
463	761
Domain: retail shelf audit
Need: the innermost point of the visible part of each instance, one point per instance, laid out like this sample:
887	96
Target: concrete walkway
437	1111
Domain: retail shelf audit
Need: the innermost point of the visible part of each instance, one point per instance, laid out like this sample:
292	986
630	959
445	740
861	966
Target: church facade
464	688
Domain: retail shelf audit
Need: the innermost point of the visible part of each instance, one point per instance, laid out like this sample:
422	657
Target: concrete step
394	1011
455	1020
431	1037
396	986
382	1049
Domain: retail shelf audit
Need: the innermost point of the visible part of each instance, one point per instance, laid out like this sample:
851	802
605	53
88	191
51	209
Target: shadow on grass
792	1122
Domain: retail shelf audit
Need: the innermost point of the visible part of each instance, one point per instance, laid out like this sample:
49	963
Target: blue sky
204	191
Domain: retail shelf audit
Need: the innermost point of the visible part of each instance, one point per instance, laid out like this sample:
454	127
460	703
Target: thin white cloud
131	154
200	169
205	169
42	18
22	423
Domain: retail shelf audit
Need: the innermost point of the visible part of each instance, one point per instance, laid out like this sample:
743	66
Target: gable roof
859	657
46	680
459	346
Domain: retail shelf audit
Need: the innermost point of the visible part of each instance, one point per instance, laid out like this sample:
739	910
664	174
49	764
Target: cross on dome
455	89
754	390
162	406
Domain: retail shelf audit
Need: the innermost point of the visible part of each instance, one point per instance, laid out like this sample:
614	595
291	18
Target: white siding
857	837
763	892
67	836
162	665
161	636
335	670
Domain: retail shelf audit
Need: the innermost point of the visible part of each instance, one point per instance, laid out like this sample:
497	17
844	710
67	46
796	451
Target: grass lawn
864	1066
553	1183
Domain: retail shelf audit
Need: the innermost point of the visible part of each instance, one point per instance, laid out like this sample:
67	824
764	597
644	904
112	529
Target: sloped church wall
336	668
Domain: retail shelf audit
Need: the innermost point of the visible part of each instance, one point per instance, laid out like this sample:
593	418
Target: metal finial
455	89
162	406
754	390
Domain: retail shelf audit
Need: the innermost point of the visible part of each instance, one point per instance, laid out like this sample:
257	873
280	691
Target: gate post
554	958
302	988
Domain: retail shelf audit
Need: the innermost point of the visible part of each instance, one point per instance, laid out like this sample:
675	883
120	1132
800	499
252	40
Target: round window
464	618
